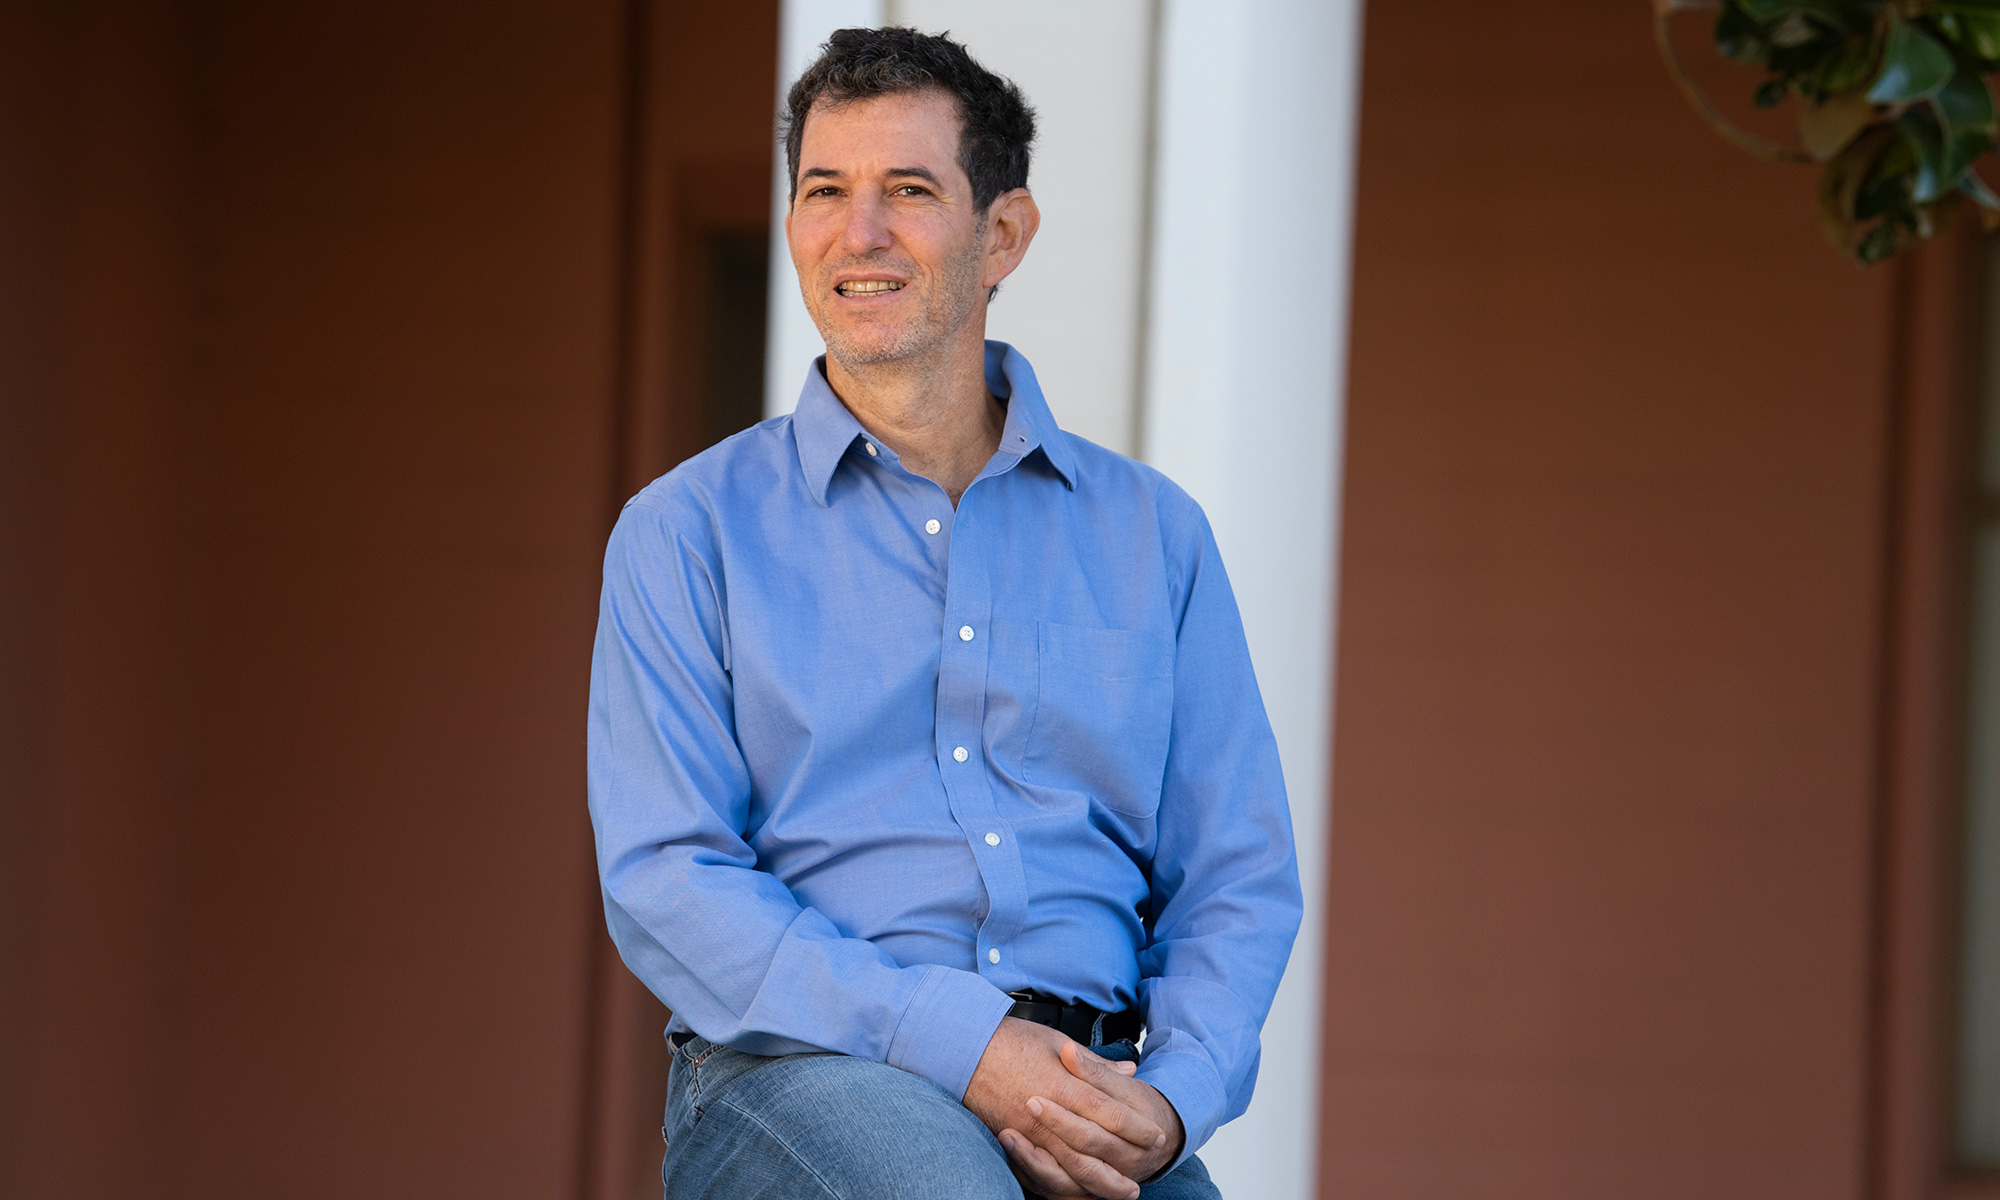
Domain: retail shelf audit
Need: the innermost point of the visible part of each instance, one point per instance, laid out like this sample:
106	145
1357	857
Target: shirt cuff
945	1029
1191	1085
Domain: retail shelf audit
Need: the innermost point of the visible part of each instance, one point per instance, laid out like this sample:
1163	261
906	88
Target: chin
873	346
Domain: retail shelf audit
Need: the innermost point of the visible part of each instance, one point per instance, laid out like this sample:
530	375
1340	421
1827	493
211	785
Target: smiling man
926	760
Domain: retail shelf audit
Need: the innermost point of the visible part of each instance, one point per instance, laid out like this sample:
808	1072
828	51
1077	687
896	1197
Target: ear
1010	225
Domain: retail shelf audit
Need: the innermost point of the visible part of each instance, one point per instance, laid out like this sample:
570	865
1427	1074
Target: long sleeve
1225	891
726	945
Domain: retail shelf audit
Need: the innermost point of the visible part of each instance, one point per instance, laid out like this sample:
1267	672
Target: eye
912	189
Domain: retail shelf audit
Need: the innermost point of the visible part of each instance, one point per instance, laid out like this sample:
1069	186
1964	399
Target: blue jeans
831	1127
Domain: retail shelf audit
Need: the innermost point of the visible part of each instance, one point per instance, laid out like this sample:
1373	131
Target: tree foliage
1893	100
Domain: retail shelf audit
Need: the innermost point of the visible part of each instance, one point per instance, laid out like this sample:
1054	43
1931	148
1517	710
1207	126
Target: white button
992	839
932	526
960	754
965	633
993	956
871	449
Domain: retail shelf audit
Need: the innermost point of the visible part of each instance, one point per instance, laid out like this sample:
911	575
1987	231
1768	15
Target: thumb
1084	1065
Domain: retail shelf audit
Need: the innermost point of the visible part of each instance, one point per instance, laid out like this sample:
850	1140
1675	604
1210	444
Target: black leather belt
1077	1022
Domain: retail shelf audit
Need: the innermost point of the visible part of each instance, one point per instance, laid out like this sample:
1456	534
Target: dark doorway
736	265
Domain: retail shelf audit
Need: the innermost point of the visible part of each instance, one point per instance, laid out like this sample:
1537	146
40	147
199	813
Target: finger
1114	1115
1087	1137
1091	1067
1107	1098
1043	1173
1097	1176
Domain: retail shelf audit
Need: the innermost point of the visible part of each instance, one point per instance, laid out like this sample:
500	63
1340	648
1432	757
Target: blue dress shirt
861	764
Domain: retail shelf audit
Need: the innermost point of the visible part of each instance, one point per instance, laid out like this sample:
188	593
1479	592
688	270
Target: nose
867	227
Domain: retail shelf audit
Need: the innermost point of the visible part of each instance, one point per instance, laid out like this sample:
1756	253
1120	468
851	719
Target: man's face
887	243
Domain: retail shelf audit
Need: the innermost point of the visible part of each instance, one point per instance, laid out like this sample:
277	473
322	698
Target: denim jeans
831	1127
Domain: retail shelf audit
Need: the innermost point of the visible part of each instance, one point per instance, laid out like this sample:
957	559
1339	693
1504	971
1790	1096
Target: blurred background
1622	565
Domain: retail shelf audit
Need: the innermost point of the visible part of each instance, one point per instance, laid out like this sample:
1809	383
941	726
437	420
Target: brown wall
96	256
1609	631
408	363
317	332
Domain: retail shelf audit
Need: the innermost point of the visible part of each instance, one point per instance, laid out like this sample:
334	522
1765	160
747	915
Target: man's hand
1068	1134
1043	1170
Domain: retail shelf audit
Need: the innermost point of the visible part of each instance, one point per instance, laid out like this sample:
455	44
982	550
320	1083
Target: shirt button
932	526
992	839
960	754
872	452
965	633
993	956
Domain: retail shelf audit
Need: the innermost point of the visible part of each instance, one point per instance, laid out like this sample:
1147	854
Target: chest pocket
1104	706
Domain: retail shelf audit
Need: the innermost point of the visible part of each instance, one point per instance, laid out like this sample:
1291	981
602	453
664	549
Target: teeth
868	287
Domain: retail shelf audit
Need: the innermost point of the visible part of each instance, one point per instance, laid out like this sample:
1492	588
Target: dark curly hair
861	64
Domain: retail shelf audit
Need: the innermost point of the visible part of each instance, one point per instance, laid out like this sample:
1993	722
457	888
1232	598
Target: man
926	760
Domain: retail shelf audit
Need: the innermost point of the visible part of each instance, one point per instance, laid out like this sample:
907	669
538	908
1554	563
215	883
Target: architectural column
1245	380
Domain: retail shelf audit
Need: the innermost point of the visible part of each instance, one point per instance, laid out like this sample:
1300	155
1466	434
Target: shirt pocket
1104	707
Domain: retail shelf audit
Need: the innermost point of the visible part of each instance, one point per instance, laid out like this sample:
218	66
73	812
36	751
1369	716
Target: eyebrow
914	172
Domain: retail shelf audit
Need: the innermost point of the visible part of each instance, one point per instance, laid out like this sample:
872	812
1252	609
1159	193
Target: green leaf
1841	71
1975	187
1925	138
1886	190
1965	113
1740	38
1881	242
1840	184
1982	34
1914	65
1796	29
1825	128
1978	34
1989	204
1847	16
1769	93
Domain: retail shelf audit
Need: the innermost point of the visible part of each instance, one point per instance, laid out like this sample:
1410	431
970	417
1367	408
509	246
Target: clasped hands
1075	1124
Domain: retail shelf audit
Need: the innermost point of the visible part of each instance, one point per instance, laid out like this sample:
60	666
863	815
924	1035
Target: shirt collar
825	431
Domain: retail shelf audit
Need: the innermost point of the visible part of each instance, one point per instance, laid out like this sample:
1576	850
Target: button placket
962	694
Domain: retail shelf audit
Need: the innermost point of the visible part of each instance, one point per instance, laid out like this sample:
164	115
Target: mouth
868	287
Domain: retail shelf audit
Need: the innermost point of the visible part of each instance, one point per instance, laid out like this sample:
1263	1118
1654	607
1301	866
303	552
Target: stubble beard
943	312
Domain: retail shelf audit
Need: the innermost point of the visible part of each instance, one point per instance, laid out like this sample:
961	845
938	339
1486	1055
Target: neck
933	410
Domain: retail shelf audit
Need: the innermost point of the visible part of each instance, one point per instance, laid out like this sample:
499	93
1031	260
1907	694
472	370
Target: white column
790	340
1246	366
